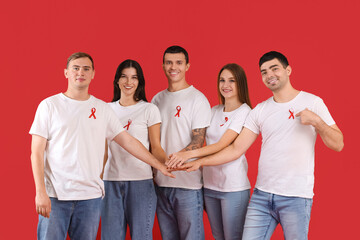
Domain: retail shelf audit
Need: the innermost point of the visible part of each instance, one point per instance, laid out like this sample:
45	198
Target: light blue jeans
267	210
128	202
180	213
226	212
80	219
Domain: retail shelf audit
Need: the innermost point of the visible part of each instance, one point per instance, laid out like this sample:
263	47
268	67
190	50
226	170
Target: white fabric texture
136	119
286	164
181	112
231	176
75	133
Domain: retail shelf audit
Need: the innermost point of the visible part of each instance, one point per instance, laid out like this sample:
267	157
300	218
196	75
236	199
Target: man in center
185	114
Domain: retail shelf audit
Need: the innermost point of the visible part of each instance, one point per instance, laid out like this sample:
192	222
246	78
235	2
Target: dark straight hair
177	49
272	55
140	90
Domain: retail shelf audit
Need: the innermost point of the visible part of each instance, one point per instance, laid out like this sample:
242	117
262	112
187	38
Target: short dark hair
241	83
271	55
140	90
79	55
176	49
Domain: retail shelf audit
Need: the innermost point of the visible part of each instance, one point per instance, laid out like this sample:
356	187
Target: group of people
95	160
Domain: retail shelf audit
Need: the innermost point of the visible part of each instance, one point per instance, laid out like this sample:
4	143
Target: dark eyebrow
80	66
275	65
272	66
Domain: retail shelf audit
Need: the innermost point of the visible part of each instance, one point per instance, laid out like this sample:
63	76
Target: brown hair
79	55
241	82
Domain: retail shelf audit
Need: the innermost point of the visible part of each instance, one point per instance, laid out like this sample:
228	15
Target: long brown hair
241	82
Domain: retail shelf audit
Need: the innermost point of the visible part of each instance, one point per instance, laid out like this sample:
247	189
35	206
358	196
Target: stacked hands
178	162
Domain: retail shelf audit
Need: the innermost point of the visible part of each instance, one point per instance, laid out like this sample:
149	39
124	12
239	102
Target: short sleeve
153	114
201	113
251	121
41	122
114	126
323	112
238	120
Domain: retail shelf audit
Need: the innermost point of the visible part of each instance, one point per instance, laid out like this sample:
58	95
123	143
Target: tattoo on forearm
197	140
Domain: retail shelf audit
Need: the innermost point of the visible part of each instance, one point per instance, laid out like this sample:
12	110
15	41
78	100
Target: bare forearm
228	154
206	150
232	152
331	136
197	140
228	137
37	164
105	159
135	147
159	154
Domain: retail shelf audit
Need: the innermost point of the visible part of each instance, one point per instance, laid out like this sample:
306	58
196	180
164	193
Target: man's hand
177	159
331	135
167	172
308	117
43	204
193	165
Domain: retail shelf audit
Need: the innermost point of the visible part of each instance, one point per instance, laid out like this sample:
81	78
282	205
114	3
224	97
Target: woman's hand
177	159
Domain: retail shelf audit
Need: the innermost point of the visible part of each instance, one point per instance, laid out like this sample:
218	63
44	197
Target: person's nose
81	71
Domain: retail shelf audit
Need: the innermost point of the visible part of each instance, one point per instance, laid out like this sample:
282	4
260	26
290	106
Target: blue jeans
180	213
267	210
128	202
226	212
80	219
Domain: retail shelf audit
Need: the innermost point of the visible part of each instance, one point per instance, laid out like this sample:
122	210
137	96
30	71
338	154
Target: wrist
189	154
201	161
41	192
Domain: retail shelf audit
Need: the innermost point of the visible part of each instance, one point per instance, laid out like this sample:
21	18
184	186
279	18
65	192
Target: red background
320	38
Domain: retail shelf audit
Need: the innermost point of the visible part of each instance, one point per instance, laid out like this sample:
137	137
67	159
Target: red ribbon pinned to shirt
226	119
128	125
178	108
291	114
93	110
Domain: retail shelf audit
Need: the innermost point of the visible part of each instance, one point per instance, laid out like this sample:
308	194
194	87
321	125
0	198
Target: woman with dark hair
130	197
226	186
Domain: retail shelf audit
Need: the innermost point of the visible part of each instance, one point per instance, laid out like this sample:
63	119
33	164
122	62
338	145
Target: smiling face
175	67
227	85
79	73
274	75
128	82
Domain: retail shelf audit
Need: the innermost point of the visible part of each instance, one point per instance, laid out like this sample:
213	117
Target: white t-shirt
286	164
231	176
136	119
74	154
181	112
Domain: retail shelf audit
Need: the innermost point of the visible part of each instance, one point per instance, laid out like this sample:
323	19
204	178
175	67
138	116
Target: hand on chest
283	120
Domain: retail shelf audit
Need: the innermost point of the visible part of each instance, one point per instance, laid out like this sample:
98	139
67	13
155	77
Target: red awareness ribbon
226	119
291	114
178	108
128	125
93	110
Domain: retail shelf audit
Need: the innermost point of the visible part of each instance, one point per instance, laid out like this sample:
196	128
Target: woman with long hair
130	197
226	186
